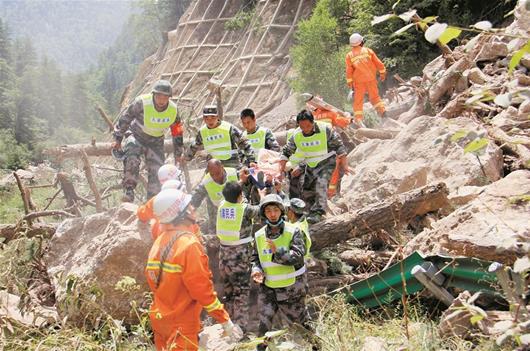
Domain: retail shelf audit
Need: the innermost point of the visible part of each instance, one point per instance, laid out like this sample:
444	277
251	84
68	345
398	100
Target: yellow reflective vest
214	189
304	228
314	147
156	123
298	156
277	275
217	141
229	219
257	139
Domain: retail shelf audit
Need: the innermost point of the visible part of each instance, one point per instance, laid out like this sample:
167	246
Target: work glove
228	328
382	76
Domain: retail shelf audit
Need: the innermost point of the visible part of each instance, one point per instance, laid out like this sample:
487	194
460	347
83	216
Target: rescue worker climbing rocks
322	149
362	65
147	119
178	275
278	267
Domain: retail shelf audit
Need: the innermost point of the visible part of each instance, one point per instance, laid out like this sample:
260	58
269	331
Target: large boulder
495	226
422	153
88	256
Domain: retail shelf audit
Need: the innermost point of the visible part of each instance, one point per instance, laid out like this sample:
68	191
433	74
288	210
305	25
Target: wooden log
375	133
104	149
23	193
88	173
106	118
448	80
389	215
9	231
32	215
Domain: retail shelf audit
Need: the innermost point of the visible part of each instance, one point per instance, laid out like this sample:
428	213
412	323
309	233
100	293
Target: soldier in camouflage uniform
322	149
259	138
146	121
222	141
234	229
278	267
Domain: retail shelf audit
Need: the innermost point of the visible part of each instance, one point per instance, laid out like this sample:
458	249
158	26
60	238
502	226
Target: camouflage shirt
293	257
132	119
238	142
334	144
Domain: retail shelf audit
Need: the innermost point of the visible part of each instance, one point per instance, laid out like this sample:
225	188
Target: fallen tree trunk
375	133
104	149
9	231
389	215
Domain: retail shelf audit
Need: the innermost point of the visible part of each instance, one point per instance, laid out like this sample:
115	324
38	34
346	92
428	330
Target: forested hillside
73	33
41	103
322	40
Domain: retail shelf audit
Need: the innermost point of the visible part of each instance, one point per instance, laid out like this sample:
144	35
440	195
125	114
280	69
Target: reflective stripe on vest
298	155
156	123
229	219
364	54
314	147
215	190
257	139
276	275
304	228
217	141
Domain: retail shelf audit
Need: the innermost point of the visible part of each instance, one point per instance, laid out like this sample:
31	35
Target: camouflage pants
234	266
212	217
154	158
289	302
315	188
295	184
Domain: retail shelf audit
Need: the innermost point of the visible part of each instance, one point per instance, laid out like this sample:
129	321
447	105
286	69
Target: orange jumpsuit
182	286
362	65
145	214
336	120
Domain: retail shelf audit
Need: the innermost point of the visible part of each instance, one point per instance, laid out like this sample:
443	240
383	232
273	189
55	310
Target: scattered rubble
101	250
33	315
489	227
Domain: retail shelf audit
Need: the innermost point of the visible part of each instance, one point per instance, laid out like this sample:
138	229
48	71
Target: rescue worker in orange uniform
178	275
362	65
169	177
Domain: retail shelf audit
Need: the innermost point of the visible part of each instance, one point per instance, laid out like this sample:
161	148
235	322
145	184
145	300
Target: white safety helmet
170	204
356	39
173	184
167	172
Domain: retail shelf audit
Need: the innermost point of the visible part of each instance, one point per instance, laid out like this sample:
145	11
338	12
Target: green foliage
318	56
12	154
241	20
406	52
516	58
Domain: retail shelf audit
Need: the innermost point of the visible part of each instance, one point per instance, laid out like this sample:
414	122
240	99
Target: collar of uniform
270	235
255	130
